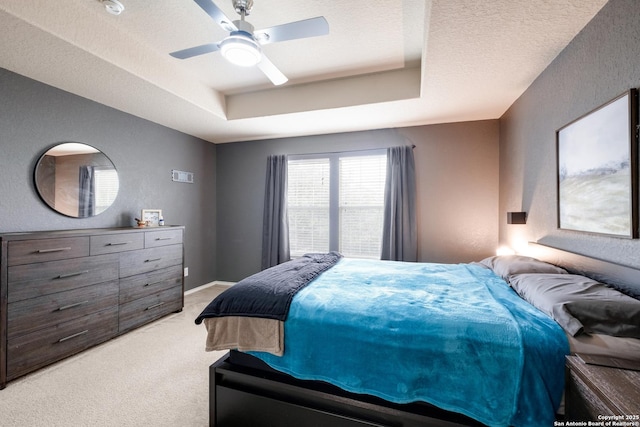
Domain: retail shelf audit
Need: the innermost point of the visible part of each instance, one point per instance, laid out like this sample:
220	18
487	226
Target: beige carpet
154	376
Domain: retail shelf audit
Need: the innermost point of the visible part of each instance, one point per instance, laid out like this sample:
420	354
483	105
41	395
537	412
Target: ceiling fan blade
195	51
271	71
217	14
311	27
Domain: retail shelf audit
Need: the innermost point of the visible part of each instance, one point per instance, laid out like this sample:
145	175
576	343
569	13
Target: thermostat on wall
182	176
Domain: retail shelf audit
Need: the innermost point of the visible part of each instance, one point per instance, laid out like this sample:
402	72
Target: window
336	202
361	205
308	205
106	187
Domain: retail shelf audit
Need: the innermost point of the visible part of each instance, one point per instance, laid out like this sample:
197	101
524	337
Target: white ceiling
385	63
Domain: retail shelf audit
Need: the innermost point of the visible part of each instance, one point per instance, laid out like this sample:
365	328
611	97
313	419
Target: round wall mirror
76	180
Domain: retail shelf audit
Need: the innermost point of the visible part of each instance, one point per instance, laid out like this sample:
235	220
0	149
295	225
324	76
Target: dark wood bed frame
244	391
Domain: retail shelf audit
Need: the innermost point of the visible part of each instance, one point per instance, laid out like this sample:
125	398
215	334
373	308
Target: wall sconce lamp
516	217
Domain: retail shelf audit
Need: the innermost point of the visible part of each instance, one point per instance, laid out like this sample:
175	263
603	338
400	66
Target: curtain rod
342	152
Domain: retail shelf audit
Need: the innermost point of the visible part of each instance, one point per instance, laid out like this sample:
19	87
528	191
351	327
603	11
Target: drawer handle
152	283
154	306
46	251
118	244
67	307
164	238
73	336
152	260
77	273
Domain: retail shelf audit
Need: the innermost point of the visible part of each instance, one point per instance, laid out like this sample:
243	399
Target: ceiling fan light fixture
240	49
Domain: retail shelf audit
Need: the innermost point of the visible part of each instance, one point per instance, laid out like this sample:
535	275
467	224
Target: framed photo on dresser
153	216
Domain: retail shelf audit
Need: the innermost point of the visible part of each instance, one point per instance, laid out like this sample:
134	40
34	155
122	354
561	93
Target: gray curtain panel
400	231
87	192
275	224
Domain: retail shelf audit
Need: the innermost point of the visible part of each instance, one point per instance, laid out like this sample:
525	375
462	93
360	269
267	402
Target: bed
367	344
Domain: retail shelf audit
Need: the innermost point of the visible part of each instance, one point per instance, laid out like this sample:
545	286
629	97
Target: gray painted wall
602	62
457	173
34	116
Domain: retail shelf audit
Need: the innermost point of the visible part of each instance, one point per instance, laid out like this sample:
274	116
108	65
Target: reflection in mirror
76	180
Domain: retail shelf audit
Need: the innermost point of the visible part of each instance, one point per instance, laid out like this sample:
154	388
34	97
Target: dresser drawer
151	307
29	315
111	243
48	345
140	285
42	250
142	261
162	238
34	280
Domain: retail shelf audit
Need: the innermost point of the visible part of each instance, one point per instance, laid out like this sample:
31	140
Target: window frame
334	184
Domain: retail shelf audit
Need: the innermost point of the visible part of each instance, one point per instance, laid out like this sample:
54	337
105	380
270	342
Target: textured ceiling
385	63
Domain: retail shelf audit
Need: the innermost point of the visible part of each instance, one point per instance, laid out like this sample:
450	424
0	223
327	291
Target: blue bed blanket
453	335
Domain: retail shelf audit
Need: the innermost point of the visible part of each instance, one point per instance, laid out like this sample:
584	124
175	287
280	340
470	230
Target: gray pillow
508	265
580	304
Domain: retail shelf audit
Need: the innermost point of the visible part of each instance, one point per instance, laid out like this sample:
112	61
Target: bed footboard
241	395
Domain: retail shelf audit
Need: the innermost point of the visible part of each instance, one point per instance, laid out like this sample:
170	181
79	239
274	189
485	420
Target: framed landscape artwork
598	170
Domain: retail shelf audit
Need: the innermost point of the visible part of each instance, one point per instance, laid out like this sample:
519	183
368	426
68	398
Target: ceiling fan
243	45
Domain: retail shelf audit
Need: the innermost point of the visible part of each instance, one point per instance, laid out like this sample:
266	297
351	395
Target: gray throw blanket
268	294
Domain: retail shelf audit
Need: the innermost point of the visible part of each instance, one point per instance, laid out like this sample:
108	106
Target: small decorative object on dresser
140	222
152	217
62	292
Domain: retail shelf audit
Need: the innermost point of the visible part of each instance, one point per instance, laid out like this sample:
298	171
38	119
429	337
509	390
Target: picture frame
597	170
153	216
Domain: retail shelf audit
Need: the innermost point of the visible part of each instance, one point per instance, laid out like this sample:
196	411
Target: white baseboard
208	285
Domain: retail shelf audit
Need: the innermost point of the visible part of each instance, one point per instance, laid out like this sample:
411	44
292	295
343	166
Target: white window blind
361	199
336	203
308	203
106	188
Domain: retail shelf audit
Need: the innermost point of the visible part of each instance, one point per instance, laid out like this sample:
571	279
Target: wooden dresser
62	292
601	393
